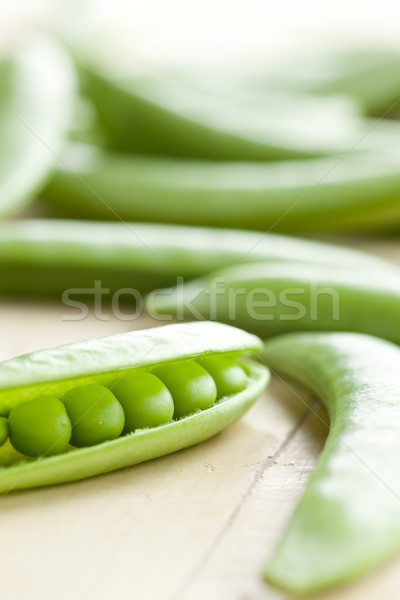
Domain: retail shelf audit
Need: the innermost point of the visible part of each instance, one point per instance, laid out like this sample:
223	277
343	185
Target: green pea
229	377
146	401
95	413
192	388
3	430
40	427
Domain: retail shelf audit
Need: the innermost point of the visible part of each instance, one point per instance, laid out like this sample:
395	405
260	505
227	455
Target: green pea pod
273	298
152	113
367	75
37	92
357	193
55	371
348	520
50	256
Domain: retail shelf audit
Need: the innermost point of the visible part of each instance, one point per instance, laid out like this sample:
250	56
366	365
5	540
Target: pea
146	401
192	388
95	413
3	430
229	377
40	427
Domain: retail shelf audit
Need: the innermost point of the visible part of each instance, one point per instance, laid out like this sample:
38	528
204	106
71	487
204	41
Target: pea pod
369	75
348	520
273	298
49	256
152	113
357	193
53	373
365	76
37	87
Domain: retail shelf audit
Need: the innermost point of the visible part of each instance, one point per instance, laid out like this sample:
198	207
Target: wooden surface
193	525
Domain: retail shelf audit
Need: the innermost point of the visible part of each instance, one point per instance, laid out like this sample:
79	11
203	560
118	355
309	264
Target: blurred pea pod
47	256
153	113
366	76
348	520
273	298
369	76
37	87
355	193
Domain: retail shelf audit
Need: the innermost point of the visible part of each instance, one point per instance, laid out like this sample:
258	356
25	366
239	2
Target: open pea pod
348	520
56	372
49	256
37	94
358	193
274	298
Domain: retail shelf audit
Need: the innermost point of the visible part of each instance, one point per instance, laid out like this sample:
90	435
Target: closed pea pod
366	74
273	298
152	113
348	520
39	257
67	370
358	193
37	84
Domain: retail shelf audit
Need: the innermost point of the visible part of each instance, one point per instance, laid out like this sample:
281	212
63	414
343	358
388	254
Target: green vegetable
145	399
4	432
40	427
191	387
153	113
49	256
230	378
348	520
368	75
95	413
272	298
324	82
356	193
37	88
99	362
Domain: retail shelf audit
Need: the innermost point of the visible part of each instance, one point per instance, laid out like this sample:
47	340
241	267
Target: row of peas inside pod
91	414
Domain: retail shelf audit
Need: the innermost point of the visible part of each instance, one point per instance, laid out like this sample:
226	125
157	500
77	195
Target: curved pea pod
348	520
100	361
49	256
358	193
273	298
37	89
153	113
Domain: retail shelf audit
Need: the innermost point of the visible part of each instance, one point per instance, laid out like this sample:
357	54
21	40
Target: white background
209	30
